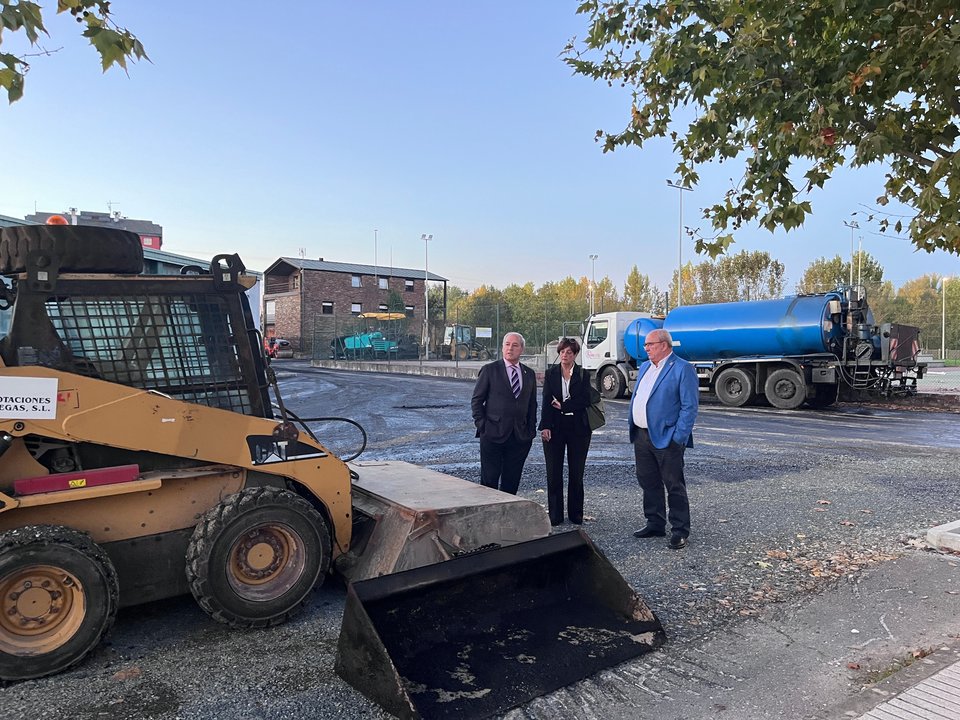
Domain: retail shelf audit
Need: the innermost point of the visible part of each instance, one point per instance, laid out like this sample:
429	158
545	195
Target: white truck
603	353
798	350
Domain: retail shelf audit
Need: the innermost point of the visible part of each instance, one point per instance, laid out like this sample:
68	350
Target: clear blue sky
265	128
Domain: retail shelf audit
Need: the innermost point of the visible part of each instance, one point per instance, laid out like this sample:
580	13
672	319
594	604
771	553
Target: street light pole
853	225
943	320
426	294
681	188
593	283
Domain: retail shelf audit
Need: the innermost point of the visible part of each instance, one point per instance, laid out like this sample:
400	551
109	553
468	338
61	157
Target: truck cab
604	354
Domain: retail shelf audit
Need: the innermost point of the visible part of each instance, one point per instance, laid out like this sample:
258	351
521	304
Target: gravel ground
785	507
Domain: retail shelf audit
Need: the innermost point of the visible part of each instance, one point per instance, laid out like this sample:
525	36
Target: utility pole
426	294
682	189
943	321
853	225
593	283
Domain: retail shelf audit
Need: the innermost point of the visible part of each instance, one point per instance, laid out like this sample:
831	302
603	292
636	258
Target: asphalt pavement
808	590
879	645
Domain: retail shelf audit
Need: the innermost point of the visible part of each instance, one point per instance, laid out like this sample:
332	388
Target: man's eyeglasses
655	342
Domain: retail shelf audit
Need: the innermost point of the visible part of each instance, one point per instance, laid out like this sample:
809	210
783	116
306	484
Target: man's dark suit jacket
496	412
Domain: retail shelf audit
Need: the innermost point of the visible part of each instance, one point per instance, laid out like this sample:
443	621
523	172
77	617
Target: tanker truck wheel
80	248
254	558
59	595
785	389
612	384
734	387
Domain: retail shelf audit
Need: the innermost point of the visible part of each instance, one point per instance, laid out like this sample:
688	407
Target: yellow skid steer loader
141	458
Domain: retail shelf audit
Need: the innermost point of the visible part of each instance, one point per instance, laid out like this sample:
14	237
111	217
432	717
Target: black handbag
595	413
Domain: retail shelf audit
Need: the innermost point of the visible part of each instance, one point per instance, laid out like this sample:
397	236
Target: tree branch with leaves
818	83
115	44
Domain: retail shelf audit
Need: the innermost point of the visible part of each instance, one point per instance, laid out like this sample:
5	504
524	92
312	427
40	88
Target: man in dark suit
504	406
663	408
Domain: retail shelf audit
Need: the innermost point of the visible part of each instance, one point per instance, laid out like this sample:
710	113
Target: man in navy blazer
504	407
663	408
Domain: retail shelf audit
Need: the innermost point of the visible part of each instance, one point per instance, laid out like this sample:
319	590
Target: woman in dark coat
564	427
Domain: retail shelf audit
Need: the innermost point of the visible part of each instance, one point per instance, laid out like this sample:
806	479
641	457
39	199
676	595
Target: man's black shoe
648	531
677	542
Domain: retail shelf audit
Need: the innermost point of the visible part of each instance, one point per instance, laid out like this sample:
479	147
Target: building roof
173	259
99	219
7	221
353	269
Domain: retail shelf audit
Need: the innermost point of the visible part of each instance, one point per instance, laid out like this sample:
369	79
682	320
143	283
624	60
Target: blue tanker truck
803	349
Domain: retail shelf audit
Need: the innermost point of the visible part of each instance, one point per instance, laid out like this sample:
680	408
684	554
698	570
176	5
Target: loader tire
59	595
254	558
80	248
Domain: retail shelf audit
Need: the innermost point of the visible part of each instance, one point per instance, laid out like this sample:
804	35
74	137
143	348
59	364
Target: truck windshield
597	333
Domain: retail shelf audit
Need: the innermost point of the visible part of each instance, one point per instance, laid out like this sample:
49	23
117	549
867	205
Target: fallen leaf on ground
823	502
847	523
853	666
128	674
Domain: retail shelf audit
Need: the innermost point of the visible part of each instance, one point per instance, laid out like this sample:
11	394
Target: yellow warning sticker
78	483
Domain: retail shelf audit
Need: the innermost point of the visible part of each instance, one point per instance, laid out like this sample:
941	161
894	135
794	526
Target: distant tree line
556	308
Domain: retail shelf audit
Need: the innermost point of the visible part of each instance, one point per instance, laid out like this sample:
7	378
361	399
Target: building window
355	281
356	308
384	284
270	311
383	308
408	285
408	309
326	307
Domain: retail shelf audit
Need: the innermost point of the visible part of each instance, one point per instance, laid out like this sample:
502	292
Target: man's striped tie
515	381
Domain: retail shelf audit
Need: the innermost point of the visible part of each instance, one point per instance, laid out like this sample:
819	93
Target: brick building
306	300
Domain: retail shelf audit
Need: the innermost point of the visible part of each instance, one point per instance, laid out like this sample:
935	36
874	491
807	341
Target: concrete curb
945	537
873	702
463	371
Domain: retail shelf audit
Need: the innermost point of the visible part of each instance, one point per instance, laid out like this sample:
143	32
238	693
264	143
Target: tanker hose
303	422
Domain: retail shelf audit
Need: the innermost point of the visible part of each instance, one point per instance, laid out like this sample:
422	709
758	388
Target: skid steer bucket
478	634
407	516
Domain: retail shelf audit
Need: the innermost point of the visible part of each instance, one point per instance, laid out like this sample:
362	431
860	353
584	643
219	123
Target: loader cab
190	337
